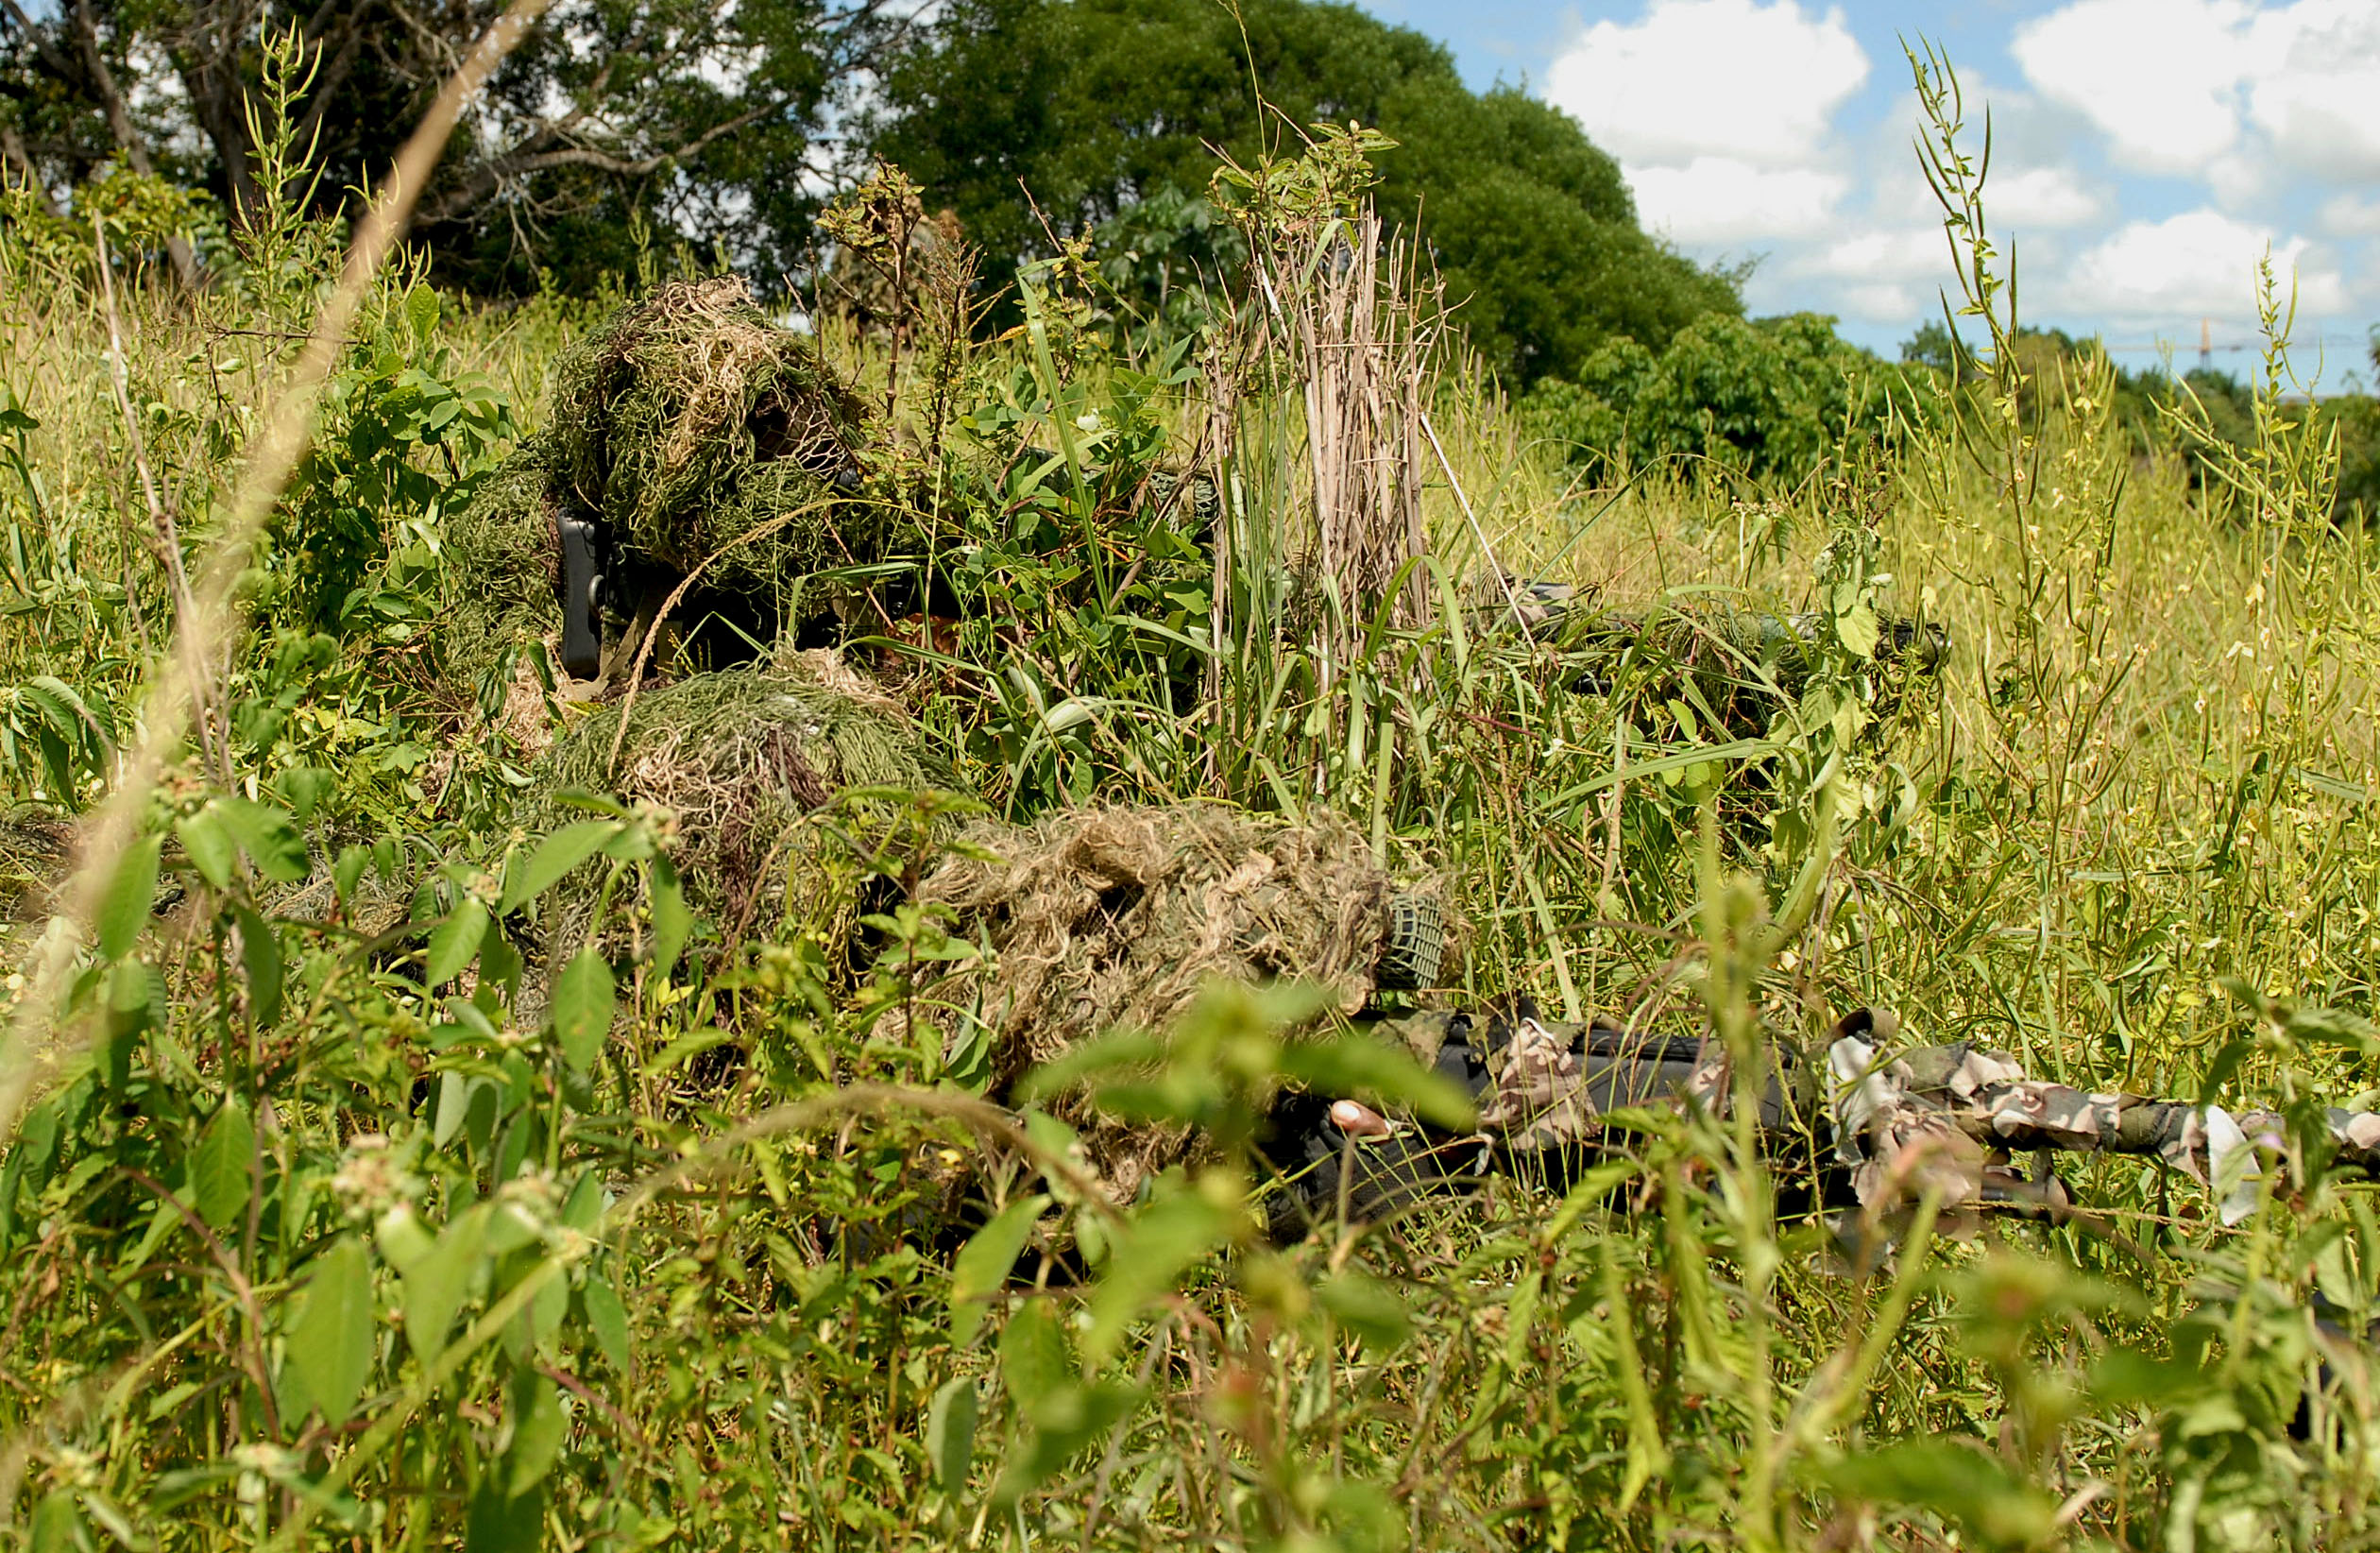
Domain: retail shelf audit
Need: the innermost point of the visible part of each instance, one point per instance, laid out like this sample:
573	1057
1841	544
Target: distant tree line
1034	120
622	121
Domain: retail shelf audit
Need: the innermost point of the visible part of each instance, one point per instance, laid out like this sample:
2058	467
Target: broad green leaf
583	1209
539	1426
129	997
1034	1358
124	910
1352	1066
435	1284
348	871
583	999
500	1522
1367	1307
608	1320
212	850
302	788
1857	629
404	1239
454	942
260	958
671	921
1162	1241
546	1310
950	1431
267	835
1962	1481
984	1263
57	1526
219	1180
1063	1422
330	1344
454	1099
2127	1377
554	857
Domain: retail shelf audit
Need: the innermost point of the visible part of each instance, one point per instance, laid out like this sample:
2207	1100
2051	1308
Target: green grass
681	1298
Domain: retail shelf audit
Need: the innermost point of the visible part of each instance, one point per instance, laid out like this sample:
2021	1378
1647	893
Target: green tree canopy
701	119
1093	106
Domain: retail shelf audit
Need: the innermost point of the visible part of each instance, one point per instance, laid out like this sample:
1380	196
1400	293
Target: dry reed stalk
1354	330
206	633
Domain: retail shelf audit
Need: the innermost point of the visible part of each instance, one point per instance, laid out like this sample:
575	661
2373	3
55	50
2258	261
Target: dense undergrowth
334	1216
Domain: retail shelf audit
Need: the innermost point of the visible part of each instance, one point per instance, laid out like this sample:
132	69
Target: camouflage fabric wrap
1932	1117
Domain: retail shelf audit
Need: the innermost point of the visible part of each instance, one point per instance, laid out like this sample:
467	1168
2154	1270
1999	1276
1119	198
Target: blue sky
2147	151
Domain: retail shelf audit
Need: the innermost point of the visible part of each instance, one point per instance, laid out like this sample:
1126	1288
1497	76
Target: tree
1093	106
697	117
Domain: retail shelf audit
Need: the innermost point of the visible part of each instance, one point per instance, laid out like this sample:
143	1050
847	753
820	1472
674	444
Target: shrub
1759	397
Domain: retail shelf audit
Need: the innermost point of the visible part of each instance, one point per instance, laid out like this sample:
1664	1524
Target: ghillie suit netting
692	423
742	757
503	568
699	436
1114	918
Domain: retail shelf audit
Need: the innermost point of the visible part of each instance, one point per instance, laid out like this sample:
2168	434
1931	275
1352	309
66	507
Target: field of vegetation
341	1208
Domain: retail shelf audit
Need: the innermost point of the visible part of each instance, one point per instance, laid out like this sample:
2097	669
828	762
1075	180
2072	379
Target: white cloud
2176	85
1721	112
2158	78
2201	262
2314	86
2041	198
2346	215
1723	201
1910	253
1735	78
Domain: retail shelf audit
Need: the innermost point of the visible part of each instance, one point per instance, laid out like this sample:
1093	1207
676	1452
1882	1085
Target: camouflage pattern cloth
1548	1083
1538	1099
1931	1118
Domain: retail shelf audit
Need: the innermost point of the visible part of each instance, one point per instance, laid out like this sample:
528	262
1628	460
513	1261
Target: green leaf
672	924
1858	630
608	1320
212	850
2127	1377
267	835
348	871
124	910
950	1431
58	1526
330	1344
455	941
1034	1358
984	1263
435	1284
554	857
539	1426
302	788
1355	1067
498	1523
260	958
583	1000
220	1180
1367	1307
1162	1241
1963	1482
1065	1421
